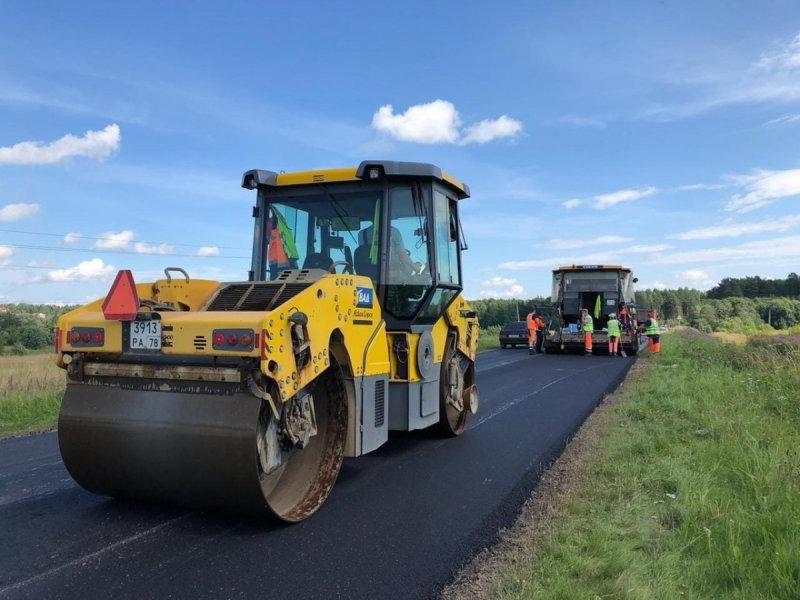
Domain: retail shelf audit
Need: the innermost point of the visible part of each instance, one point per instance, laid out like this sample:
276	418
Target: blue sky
662	135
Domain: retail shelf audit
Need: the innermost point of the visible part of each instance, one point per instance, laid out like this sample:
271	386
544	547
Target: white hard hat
612	315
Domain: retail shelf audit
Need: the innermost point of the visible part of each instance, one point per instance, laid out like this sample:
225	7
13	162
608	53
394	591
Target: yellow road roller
246	396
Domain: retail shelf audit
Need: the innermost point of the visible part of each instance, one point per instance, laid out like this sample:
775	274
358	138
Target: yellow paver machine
247	396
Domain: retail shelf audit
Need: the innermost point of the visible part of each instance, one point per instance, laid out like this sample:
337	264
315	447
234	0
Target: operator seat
363	264
316	260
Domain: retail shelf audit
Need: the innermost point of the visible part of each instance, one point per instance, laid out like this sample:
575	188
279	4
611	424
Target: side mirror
635	280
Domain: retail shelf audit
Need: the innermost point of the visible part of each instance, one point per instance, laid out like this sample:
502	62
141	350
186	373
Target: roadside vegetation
490	338
26	328
691	489
31	388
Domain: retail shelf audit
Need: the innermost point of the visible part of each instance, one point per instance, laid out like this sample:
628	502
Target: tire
452	423
503	346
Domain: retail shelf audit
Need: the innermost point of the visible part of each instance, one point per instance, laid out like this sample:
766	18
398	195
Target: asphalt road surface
400	522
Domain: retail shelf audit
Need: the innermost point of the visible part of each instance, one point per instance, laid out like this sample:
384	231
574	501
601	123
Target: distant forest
27	327
756	287
747	305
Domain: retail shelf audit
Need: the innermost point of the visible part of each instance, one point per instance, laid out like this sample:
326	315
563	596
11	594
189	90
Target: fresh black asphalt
400	522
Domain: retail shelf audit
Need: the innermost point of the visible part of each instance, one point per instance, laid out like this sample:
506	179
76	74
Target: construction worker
539	332
653	333
533	324
587	325
624	316
613	335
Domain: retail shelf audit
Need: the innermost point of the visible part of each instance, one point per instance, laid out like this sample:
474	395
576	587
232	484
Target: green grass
693	491
489	339
31	388
24	413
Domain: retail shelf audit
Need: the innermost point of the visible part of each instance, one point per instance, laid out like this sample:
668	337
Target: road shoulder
484	574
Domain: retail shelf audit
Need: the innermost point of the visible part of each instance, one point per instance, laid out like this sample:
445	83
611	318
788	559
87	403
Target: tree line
27	327
746	304
756	287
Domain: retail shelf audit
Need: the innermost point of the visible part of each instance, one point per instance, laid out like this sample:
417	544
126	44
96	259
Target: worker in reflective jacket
653	333
588	328
533	321
613	335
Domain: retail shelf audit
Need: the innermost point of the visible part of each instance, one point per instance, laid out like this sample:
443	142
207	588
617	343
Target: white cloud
114	241
500	281
208	251
93	144
762	188
433	123
573	203
772	79
83	271
656	285
491	129
786	57
438	122
597	258
695	278
616	255
694	275
737	229
502	287
72	238
702	186
648	248
783	120
628	195
782	248
143	248
15	212
5	255
577	242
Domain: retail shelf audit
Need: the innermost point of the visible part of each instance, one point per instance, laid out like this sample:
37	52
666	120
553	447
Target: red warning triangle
122	302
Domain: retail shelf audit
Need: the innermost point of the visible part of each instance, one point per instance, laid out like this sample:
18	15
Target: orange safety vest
276	253
533	324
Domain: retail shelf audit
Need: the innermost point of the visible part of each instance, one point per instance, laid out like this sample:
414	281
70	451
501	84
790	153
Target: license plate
513	335
145	335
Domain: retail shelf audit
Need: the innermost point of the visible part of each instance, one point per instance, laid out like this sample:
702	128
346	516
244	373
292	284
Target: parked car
514	334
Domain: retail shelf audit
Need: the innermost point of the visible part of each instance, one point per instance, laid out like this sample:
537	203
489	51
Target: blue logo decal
364	297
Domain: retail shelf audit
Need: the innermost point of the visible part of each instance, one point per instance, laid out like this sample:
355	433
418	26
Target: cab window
409	275
446	223
333	232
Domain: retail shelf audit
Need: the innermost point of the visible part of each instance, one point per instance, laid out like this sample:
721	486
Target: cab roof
591	268
386	168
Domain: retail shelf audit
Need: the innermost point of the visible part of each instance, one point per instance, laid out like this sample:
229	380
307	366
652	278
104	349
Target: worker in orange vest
533	327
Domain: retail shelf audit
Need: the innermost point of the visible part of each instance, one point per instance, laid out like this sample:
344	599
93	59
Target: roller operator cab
602	290
247	395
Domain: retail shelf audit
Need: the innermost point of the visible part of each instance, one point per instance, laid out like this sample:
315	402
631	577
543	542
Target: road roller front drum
215	447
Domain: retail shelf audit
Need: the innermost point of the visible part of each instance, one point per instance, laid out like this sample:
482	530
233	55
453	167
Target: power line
89	237
26	267
107	251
